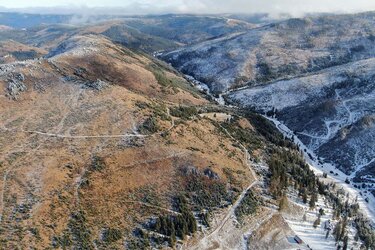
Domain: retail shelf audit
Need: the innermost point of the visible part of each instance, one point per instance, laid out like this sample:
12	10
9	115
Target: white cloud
294	7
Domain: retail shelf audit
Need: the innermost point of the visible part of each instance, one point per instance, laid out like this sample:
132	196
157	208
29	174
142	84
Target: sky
293	7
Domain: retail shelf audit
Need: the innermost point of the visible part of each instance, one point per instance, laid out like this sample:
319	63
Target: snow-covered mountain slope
332	112
278	51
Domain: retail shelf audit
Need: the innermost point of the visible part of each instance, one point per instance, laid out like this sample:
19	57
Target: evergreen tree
314	198
337	231
296	186
275	186
356	236
172	238
346	239
192	225
321	211
304	197
163	225
157	226
343	227
336	213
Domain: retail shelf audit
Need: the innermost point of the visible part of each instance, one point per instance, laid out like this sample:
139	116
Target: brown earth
51	134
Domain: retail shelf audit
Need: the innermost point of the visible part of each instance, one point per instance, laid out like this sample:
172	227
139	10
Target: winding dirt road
229	217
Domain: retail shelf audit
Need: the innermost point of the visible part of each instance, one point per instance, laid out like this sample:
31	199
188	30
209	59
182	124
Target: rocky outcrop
97	85
16	85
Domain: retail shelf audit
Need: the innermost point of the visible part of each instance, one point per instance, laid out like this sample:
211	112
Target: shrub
149	126
248	205
184	112
81	235
97	164
111	235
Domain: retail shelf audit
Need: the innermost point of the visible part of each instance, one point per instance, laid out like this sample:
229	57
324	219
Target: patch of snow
315	238
335	175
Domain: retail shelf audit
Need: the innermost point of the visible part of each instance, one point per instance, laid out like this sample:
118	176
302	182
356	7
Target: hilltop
98	140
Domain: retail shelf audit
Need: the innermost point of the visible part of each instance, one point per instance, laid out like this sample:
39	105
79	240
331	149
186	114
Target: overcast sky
294	7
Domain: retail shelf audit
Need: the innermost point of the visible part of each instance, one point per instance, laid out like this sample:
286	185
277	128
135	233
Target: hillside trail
213	236
70	104
5	178
56	135
6	186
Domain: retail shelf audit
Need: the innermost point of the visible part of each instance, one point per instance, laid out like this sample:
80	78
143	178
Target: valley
327	173
325	96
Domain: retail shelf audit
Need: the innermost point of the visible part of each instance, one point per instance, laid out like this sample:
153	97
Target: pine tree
343	227
157	225
192	225
205	219
296	187
321	211
304	197
172	238
163	225
356	237
313	200
336	212
275	186
337	231
346	238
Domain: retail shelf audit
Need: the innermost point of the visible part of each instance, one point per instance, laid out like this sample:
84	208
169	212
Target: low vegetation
77	234
184	112
157	109
248	205
110	235
174	83
149	126
179	225
207	193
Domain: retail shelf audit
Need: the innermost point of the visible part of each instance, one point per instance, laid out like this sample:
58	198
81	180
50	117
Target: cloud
273	7
294	7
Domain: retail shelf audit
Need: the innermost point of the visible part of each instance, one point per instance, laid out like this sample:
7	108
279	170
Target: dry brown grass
43	172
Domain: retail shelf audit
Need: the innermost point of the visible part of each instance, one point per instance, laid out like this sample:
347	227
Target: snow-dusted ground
316	237
204	88
368	208
334	113
277	51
